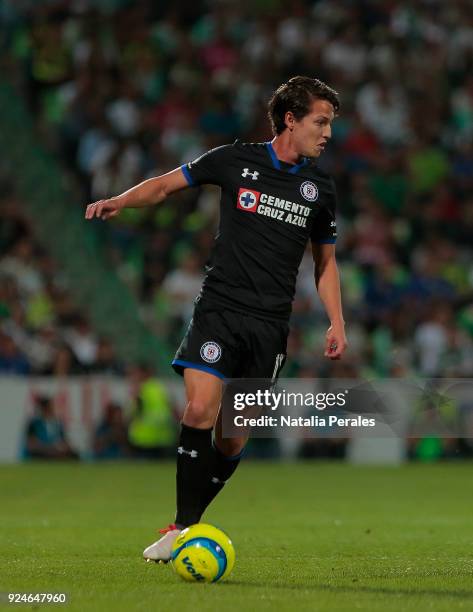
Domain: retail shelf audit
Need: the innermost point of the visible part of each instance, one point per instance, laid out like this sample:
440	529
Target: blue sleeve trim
327	241
198	366
187	174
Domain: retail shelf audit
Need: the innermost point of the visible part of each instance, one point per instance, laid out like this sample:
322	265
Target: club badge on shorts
210	352
309	191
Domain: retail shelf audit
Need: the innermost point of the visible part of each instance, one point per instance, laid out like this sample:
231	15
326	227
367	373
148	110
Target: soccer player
273	199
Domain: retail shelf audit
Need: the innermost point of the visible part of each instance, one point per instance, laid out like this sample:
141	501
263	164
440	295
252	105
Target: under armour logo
193	453
216	480
246	172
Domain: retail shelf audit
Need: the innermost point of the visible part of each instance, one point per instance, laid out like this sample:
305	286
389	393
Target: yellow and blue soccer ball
202	553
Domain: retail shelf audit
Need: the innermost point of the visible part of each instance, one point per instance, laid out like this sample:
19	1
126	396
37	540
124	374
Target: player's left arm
327	282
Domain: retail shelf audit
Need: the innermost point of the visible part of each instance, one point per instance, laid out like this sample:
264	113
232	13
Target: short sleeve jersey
268	211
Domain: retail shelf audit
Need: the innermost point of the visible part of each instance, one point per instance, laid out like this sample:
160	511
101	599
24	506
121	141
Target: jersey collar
277	164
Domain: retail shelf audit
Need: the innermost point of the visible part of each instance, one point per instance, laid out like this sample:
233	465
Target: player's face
312	132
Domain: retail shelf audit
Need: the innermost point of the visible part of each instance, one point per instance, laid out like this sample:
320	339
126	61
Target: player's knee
199	414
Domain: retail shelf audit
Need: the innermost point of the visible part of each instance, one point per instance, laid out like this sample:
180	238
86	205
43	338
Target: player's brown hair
296	96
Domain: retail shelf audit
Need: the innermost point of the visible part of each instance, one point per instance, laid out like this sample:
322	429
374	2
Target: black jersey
268	211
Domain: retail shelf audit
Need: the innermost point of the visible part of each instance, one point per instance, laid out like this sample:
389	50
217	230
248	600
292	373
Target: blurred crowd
41	329
125	90
145	428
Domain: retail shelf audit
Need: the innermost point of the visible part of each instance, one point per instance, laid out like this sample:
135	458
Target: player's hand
335	342
104	209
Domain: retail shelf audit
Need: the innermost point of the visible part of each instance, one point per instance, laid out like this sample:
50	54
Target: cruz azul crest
210	352
309	191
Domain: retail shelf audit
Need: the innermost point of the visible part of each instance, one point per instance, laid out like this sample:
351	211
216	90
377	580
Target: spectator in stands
45	434
182	285
106	361
110	437
152	430
82	342
12	360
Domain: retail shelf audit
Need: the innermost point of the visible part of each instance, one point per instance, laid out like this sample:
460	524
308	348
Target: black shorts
230	344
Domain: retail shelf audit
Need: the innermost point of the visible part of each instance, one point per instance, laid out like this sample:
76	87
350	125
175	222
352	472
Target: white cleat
160	551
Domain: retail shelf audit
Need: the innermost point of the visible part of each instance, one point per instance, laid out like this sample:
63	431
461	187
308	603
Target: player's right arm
149	192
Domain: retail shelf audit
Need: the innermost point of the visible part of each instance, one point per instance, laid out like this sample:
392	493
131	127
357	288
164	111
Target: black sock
194	455
221	470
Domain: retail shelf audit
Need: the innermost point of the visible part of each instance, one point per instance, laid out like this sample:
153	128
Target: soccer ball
202	553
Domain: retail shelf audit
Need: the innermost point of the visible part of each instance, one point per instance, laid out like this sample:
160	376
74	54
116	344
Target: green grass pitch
308	536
